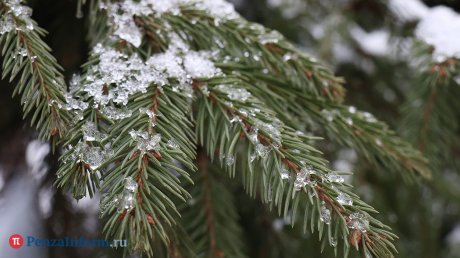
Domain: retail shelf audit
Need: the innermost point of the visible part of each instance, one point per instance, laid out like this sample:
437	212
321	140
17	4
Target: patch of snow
409	10
438	26
45	201
376	42
441	29
36	153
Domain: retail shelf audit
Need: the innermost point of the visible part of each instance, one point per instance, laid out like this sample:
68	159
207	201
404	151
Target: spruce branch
251	45
132	135
277	69
342	124
210	217
27	61
433	121
138	146
284	152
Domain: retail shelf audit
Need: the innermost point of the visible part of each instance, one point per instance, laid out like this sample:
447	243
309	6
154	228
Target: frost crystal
358	221
91	134
303	178
352	109
93	156
272	130
329	114
284	174
74	104
74	82
6	24
334	178
20	12
229	160
127	199
344	199
236	119
116	113
325	214
271	37
262	150
145	141
148	112
122	14
367	116
22	52
333	241
349	121
237	94
197	65
172	144
219	9
130	184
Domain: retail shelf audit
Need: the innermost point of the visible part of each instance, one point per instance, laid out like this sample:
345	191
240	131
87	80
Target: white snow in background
409	10
45	201
86	204
278	224
345	161
342	52
2	179
376	42
89	206
441	28
289	8
454	237
2	182
20	213
36	153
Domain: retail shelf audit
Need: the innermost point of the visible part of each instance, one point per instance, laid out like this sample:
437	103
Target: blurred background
369	43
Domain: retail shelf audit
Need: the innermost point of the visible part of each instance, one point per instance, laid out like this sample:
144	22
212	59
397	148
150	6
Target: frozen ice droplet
358	221
116	113
352	109
128	31
130	184
7	24
368	117
148	112
262	150
230	160
333	241
236	119
252	157
457	79
299	184
284	173
325	214
233	93
172	144
349	121
23	52
91	134
145	141
334	178
344	199
329	115
198	65
272	37
127	202
93	156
